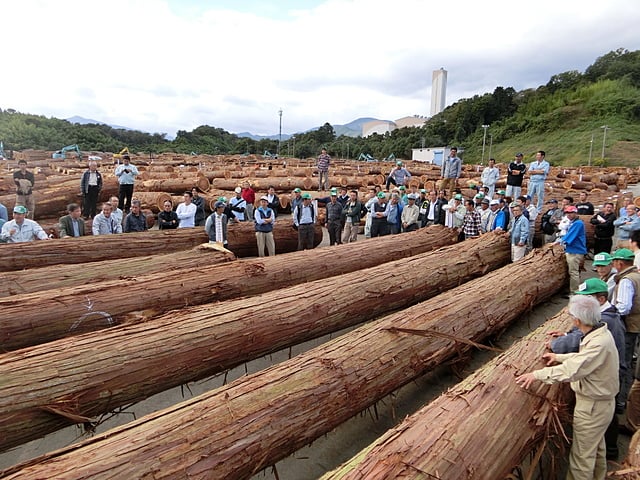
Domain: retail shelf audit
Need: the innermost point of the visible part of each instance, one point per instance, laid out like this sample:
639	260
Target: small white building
433	155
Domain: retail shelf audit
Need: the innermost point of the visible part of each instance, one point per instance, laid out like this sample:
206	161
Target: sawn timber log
17	256
237	430
486	424
72	380
43	316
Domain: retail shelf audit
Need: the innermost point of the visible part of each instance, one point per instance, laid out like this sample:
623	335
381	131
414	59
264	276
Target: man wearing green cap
602	262
296	199
379	216
399	176
594	375
333	219
21	229
304	217
626	299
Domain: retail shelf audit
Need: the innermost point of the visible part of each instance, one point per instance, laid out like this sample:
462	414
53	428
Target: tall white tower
438	91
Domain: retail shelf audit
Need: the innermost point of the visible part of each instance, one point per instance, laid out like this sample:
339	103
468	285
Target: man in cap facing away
21	229
575	246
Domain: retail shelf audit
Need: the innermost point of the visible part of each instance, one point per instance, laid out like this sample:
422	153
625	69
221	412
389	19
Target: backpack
548	227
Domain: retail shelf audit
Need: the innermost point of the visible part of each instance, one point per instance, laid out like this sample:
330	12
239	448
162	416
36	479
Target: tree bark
43	316
237	430
464	430
191	344
17	256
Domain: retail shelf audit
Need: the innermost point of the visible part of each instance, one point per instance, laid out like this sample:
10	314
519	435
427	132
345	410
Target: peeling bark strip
485	426
65	251
40	317
237	430
79	378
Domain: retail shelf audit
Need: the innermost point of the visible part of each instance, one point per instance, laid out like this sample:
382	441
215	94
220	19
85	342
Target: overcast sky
168	65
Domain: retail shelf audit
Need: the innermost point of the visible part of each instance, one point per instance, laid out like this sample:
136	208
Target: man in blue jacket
575	246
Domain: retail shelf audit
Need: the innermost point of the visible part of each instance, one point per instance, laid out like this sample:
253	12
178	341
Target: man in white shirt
238	205
21	229
186	211
490	176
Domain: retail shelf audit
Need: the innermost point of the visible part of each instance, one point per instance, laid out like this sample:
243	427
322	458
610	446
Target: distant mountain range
351	129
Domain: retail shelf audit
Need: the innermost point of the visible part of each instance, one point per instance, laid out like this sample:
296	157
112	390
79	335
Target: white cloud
164	65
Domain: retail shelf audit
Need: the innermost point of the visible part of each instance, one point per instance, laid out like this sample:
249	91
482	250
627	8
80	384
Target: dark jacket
438	212
167	220
200	213
84	181
134	223
65	226
606	229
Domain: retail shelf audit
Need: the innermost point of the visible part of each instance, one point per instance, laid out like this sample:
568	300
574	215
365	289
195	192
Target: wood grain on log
80	377
237	430
47	315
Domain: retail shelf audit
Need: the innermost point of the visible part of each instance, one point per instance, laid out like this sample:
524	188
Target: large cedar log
237	430
464	430
47	315
81	378
38	279
242	240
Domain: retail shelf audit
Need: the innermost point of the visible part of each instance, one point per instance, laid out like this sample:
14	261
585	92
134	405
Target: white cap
238	190
264	197
494	202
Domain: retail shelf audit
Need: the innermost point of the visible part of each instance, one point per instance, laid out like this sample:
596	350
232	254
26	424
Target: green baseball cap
623	254
601	259
21	209
457	196
591	286
297	190
306	196
333	192
501	192
381	195
399	163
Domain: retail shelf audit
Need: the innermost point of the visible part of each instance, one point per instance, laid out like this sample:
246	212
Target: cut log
237	430
176	185
47	315
464	430
242	241
38	279
81	378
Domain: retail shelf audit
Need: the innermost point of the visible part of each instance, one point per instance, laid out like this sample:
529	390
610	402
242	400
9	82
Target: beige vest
633	318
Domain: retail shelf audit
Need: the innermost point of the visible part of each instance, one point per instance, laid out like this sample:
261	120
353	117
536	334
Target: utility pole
591	149
604	138
490	143
279	133
484	140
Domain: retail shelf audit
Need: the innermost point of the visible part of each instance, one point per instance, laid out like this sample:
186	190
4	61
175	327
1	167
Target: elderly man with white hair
593	373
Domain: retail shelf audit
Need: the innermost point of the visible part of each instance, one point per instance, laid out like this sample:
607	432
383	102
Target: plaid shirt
472	224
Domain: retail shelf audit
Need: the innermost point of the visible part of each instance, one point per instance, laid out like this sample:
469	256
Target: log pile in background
74	380
50	314
237	430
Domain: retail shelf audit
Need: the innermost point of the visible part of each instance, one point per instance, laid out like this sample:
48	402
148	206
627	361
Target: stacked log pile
467	429
52	314
80	377
266	416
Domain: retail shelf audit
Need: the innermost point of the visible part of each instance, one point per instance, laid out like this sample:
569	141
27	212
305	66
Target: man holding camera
126	174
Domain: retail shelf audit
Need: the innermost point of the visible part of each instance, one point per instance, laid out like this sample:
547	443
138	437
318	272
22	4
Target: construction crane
62	153
118	156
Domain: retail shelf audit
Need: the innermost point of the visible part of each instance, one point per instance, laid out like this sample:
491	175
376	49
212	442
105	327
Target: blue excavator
2	155
62	153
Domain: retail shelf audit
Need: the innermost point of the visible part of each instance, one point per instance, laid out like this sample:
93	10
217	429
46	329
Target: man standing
323	170
626	299
393	214
264	219
472	222
489	177
626	225
296	200
575	246
304	217
249	196
274	201
550	221
451	169
135	221
90	187
410	215
584	207
72	224
126	173
538	172
186	212
515	174
24	181
167	218
334	214
519	234
379	227
352	212
104	223
604	228
593	373
21	229
399	176
497	220
431	210
238	205
199	202
216	225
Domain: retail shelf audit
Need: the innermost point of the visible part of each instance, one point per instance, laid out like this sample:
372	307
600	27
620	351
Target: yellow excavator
118	156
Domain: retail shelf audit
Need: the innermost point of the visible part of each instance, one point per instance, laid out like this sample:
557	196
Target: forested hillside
564	117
